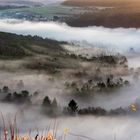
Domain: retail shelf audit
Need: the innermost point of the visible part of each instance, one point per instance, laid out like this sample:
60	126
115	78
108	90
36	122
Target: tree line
52	108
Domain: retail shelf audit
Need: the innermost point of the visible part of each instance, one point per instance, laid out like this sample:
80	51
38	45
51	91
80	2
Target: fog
119	39
100	128
55	87
97	128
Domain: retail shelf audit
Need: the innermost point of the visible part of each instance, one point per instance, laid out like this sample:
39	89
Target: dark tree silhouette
8	97
54	103
36	93
72	107
46	102
5	89
54	108
25	93
22	97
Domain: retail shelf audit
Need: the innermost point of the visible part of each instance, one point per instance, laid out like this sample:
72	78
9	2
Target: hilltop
107	13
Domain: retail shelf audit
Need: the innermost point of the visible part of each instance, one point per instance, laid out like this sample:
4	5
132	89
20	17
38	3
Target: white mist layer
96	128
119	39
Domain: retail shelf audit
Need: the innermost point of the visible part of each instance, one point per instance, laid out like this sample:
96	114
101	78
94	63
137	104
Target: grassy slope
47	11
19	52
34	53
15	46
125	13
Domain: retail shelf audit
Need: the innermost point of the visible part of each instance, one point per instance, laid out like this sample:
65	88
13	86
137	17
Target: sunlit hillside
113	3
109	13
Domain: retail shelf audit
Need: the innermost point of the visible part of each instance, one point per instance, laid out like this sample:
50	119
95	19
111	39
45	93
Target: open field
55	12
45	10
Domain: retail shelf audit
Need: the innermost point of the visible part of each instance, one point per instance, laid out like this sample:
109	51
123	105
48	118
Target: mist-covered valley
30	72
121	39
72	82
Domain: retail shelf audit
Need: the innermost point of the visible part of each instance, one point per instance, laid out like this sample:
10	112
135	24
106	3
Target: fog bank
119	39
96	128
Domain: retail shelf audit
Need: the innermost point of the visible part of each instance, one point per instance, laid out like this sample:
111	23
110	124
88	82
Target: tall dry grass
10	131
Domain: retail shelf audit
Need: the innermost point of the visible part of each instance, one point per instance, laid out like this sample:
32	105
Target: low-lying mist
119	39
55	88
100	128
